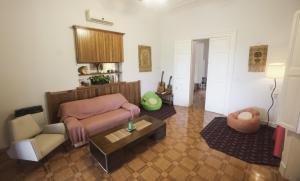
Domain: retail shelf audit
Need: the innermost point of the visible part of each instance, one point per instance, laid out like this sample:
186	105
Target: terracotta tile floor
181	155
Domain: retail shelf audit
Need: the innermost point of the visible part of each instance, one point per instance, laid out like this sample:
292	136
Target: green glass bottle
130	126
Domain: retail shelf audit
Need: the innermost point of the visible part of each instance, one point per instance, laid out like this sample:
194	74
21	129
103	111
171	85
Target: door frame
233	37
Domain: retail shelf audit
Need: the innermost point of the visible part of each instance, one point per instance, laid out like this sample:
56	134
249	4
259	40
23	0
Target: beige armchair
30	141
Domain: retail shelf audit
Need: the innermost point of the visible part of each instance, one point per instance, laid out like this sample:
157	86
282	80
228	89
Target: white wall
256	22
200	51
37	48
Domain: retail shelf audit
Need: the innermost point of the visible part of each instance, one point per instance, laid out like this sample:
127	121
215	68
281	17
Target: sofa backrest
85	108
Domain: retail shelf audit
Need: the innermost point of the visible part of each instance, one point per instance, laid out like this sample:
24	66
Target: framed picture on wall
145	62
258	58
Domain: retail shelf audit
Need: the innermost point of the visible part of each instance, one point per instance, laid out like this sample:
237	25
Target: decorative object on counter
111	71
100	79
83	70
161	84
112	78
99	67
258	58
145	62
169	87
116	78
84	82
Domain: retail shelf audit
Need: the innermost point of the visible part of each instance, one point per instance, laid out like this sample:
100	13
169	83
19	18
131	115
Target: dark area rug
163	113
253	148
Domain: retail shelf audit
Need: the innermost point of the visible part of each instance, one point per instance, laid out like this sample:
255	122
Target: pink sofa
88	117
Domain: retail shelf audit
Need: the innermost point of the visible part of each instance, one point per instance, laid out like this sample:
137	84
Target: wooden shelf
99	74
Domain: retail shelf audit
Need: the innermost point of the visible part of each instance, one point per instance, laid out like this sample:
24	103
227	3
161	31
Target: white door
289	114
182	72
218	74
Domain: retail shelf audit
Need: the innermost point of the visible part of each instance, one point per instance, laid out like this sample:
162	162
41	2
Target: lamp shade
275	70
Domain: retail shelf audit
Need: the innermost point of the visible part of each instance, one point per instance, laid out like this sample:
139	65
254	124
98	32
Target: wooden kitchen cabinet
98	46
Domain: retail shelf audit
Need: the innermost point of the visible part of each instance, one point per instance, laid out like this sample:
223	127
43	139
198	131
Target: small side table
166	97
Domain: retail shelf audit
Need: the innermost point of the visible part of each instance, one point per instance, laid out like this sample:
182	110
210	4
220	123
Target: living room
39	55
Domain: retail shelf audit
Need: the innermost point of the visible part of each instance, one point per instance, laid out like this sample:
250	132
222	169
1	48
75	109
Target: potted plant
99	79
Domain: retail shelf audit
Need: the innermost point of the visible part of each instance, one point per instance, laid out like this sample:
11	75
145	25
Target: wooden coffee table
111	155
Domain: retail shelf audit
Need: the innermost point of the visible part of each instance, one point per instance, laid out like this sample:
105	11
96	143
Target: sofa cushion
47	142
245	116
24	127
108	120
85	108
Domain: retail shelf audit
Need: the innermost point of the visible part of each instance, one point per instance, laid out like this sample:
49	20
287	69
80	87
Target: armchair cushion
58	128
245	116
24	127
45	143
103	122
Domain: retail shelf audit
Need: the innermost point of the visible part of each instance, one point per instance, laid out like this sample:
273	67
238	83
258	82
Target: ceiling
179	3
144	6
167	3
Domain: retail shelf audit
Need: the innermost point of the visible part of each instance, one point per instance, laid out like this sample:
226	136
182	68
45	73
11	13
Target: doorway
219	68
200	50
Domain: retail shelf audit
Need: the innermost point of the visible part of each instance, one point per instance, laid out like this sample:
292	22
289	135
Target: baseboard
3	155
274	125
282	168
2	150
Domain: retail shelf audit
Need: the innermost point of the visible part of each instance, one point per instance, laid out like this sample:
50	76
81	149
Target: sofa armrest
75	130
24	150
58	128
133	109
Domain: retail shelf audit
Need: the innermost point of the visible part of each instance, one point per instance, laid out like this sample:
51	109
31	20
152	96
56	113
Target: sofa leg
66	146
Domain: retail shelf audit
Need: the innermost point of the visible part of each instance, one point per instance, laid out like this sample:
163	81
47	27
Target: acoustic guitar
169	87
161	84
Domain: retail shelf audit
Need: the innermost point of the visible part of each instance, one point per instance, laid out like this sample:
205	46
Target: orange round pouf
244	126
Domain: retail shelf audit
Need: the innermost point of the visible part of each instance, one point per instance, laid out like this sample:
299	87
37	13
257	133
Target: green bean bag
151	101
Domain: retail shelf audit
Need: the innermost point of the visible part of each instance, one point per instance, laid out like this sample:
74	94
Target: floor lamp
274	71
